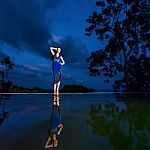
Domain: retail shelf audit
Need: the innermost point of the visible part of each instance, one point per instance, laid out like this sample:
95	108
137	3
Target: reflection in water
56	125
126	127
3	112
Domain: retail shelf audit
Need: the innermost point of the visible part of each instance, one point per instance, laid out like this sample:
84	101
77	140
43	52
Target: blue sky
29	27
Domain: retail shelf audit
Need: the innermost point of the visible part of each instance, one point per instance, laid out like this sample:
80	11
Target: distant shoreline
78	93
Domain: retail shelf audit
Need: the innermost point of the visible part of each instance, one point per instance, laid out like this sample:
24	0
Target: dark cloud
27	75
74	51
24	24
31	71
30	24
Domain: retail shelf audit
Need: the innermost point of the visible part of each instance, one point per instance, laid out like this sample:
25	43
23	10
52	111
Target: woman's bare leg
58	85
55	87
57	100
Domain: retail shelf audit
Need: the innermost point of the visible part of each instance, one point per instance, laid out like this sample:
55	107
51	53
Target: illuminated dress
56	69
55	120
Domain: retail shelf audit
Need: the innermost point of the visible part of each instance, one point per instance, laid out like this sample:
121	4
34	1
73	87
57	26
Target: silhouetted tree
2	75
124	26
8	66
6	85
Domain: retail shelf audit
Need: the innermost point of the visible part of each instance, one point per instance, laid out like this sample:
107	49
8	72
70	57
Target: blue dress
57	73
55	120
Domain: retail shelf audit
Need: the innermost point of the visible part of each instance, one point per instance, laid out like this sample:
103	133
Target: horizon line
75	93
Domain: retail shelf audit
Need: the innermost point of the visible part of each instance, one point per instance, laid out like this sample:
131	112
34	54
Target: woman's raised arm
52	50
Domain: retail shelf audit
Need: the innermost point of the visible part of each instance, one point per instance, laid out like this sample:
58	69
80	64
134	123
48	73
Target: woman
58	61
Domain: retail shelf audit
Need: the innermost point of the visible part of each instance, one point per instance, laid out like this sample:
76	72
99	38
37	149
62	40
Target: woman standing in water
58	61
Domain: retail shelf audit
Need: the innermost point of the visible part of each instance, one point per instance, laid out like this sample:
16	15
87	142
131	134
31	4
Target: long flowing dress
57	71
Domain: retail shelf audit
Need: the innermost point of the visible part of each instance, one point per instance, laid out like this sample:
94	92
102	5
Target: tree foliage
124	26
8	66
5	84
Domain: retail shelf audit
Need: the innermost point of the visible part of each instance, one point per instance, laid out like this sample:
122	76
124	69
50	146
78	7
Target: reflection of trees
127	128
3	112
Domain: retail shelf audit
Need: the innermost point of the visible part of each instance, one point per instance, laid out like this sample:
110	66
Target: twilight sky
29	27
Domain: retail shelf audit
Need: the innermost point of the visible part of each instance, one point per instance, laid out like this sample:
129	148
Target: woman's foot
49	143
55	143
57	93
56	100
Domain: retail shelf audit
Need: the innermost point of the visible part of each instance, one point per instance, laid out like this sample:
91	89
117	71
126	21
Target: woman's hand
63	62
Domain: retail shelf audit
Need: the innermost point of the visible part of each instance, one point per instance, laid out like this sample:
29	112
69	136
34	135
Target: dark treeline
73	88
66	89
19	89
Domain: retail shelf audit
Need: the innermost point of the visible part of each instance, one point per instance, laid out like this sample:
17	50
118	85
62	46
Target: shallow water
91	121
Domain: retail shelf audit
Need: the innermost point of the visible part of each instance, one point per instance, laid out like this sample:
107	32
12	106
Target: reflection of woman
55	125
58	61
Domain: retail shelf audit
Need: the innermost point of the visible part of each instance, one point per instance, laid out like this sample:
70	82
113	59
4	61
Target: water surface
91	121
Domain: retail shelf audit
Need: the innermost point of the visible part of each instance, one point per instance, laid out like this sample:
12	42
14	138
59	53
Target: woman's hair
59	49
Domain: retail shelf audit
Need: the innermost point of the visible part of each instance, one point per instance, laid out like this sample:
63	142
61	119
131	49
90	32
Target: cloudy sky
29	27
